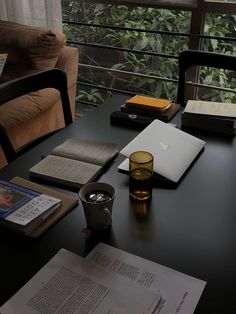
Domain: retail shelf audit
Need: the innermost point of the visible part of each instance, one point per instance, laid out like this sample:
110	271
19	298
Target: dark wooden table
190	228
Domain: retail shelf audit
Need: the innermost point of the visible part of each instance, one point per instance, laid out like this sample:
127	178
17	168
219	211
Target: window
133	48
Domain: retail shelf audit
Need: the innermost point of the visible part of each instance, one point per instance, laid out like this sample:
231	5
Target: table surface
190	227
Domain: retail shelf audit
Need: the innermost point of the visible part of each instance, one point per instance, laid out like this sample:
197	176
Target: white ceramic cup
98	214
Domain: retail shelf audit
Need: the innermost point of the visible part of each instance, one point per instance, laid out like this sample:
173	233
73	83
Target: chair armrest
54	78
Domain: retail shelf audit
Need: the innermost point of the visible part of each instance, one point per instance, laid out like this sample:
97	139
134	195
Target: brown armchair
31	50
54	78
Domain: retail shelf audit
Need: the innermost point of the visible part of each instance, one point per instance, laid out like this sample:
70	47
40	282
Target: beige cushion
28	47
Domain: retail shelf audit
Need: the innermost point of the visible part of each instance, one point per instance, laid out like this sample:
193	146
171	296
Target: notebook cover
153	103
68	202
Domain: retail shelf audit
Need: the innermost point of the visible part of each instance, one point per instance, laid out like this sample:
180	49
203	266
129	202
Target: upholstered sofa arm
54	78
68	61
31	104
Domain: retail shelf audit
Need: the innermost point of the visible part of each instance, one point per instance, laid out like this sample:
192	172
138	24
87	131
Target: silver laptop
173	149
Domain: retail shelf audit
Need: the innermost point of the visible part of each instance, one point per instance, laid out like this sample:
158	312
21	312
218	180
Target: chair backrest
191	58
54	78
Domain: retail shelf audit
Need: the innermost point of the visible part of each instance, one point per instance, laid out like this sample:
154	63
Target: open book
75	162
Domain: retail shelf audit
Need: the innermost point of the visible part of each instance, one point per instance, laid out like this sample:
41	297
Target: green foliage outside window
131	61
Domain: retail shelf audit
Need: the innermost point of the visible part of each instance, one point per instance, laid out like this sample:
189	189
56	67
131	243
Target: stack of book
139	111
158	108
29	208
211	116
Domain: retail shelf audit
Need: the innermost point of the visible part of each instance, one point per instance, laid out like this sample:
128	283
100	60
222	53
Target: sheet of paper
180	292
71	284
211	108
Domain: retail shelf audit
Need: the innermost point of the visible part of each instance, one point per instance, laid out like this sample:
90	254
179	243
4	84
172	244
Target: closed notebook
173	149
148	103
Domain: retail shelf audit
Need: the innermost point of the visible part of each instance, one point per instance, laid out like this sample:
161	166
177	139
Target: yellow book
146	102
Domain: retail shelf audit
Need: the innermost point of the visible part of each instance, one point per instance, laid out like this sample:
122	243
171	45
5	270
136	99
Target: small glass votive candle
140	175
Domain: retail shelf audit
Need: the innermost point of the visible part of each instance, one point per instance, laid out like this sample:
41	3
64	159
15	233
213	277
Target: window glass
222	28
133	59
138	45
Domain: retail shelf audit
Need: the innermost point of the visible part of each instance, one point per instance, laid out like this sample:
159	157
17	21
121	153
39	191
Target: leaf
214	43
117	66
141	44
208	79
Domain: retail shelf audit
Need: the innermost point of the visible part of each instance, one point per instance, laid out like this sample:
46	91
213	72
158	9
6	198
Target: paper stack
109	280
211	116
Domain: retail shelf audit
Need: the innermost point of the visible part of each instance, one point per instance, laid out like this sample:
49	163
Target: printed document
71	284
180	293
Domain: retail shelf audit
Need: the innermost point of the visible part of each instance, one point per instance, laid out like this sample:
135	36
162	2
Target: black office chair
54	78
191	58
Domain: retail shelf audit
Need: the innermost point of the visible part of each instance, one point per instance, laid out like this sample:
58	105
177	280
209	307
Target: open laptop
173	149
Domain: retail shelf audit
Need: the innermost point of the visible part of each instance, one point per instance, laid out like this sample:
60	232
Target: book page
180	293
211	108
66	171
98	153
71	284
